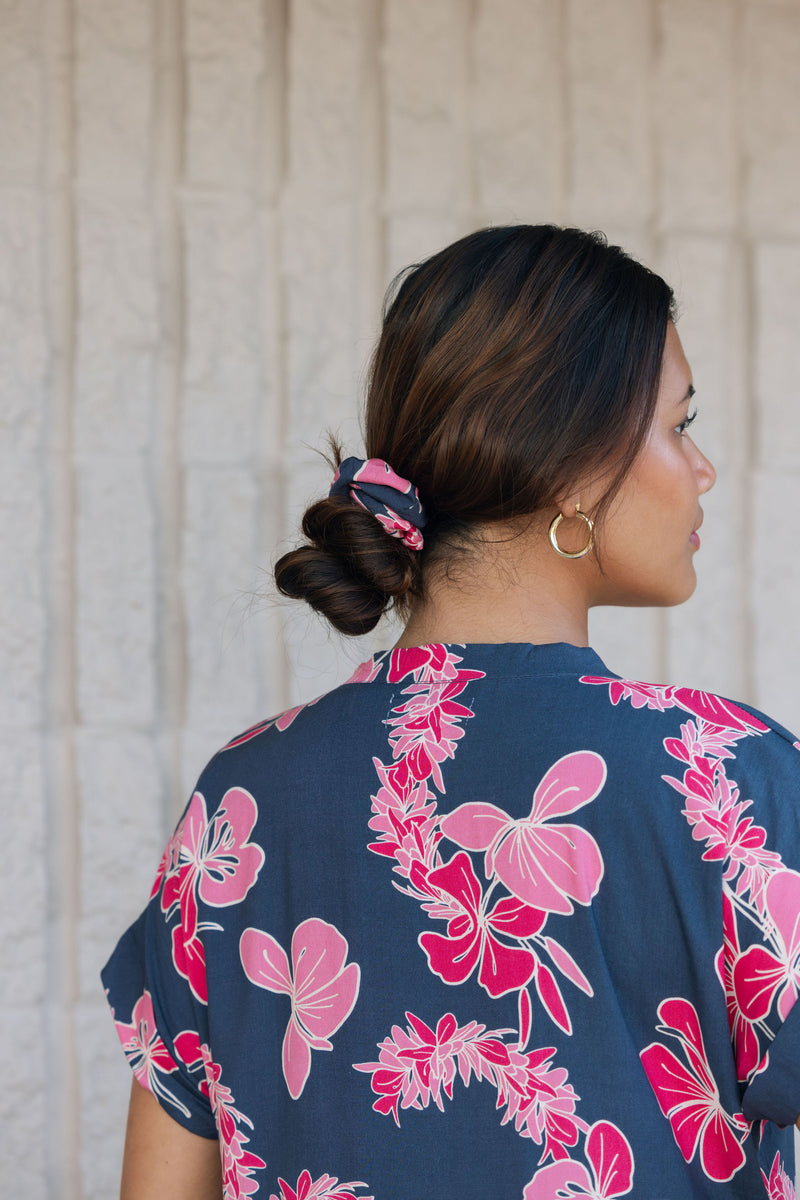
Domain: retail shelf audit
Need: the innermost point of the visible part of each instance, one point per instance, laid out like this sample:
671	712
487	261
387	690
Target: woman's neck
512	594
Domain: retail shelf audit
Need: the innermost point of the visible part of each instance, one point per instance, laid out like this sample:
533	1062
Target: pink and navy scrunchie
392	500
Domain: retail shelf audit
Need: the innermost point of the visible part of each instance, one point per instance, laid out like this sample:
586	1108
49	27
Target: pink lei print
534	866
418	1066
212	861
540	864
326	1187
713	710
238	1164
779	1186
756	890
322	989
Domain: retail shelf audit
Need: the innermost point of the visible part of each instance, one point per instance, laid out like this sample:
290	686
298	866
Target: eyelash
684	425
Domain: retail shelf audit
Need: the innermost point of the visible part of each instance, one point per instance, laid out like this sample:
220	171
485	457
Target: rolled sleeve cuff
133	997
774	1094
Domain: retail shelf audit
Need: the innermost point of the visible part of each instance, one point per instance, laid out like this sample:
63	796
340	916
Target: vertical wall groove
368	211
654	234
169	123
62	847
464	123
277	17
747	369
561	213
380	215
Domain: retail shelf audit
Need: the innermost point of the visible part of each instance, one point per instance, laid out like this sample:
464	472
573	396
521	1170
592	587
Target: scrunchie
392	500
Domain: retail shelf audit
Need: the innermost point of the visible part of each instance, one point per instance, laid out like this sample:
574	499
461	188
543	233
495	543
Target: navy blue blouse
486	920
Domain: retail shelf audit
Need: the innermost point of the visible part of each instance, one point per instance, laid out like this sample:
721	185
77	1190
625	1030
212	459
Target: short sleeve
761	914
160	1022
773	1093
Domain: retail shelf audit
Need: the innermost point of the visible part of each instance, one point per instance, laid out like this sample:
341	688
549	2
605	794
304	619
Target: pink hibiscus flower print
365	672
212	860
472	932
710	708
546	865
610	1171
689	1098
146	1053
759	975
779	1186
743	1034
238	1164
717	711
427	664
323	991
281	722
324	1188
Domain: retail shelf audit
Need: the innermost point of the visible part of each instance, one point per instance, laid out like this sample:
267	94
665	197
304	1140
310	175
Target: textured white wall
201	202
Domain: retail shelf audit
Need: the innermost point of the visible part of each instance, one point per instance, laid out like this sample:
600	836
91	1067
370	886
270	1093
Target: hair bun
351	571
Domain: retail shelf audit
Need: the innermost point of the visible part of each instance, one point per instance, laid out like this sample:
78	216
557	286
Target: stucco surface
201	203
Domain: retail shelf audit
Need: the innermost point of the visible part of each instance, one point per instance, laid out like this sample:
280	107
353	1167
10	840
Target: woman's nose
704	470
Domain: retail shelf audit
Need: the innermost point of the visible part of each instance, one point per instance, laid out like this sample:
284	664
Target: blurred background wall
201	202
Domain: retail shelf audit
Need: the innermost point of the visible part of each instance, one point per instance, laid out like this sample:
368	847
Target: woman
545	922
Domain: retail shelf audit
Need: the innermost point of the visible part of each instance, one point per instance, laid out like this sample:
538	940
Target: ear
568	505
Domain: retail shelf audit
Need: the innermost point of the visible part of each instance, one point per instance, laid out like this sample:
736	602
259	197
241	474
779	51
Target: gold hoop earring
554	524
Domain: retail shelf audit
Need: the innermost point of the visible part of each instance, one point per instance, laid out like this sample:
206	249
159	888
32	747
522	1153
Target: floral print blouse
484	921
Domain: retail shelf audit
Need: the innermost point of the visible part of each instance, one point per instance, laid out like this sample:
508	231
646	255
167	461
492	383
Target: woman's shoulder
731	721
287	740
288	737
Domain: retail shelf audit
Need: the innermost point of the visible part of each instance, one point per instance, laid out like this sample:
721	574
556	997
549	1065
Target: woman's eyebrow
689	393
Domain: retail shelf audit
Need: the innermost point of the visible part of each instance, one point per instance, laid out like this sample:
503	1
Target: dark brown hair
511	364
